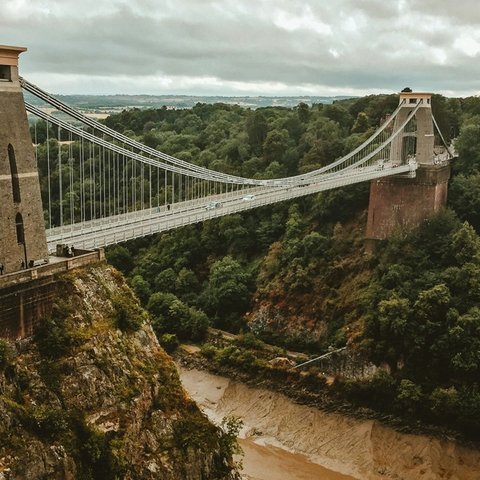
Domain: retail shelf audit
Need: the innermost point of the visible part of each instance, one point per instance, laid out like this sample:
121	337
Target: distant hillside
115	102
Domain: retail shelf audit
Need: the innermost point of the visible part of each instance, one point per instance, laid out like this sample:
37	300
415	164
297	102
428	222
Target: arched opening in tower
14	174
19	228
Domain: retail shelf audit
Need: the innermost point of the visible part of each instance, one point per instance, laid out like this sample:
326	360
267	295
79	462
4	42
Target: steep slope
93	395
310	287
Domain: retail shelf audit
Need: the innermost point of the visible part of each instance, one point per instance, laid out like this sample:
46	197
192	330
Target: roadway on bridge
120	228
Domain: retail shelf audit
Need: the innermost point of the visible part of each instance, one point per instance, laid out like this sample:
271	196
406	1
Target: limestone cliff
93	395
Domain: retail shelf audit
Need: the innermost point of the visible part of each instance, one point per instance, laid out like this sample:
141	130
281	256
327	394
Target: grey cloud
457	12
373	44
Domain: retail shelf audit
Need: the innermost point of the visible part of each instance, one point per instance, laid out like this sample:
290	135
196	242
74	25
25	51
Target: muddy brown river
266	462
285	441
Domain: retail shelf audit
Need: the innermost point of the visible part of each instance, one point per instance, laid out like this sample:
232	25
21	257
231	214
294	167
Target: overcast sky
247	47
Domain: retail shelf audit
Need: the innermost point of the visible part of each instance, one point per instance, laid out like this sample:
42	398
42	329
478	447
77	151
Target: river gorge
281	439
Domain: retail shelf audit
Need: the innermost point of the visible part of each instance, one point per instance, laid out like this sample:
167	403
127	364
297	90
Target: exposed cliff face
86	399
306	297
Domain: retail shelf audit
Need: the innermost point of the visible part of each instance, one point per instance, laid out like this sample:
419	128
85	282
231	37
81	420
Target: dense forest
297	275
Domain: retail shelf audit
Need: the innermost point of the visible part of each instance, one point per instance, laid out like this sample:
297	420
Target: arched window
14	174
19	227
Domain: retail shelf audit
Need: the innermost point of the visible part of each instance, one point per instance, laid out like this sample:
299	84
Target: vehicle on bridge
248	198
212	205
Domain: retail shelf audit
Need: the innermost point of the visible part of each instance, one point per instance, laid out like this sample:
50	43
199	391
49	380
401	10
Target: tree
361	123
432	304
269	229
186	285
303	112
464	198
339	114
236	234
295	223
227	295
465	343
171	315
275	145
165	280
294	127
141	287
467	145
120	258
393	317
466	244
257	129
322	143
409	396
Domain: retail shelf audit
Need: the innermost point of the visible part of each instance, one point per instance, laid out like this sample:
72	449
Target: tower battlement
412	99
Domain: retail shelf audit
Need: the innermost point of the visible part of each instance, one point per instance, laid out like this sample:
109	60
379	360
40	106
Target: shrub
95	452
51	373
444	403
141	287
378	392
208	351
249	340
409	396
52	336
314	379
468	408
6	354
194	431
235	357
48	422
230	427
169	342
129	317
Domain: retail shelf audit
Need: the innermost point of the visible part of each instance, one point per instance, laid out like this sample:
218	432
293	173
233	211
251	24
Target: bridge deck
120	228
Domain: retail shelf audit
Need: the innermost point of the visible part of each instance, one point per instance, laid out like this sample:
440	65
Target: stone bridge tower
398	203
22	229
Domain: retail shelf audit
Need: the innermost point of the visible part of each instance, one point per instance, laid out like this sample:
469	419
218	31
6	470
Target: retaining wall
27	296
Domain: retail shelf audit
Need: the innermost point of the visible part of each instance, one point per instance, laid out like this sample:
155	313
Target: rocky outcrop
93	396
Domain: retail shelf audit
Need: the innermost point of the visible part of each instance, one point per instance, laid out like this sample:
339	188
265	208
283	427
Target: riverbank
344	447
226	356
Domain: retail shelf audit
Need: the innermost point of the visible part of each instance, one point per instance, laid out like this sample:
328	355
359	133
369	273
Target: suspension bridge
112	189
82	185
101	187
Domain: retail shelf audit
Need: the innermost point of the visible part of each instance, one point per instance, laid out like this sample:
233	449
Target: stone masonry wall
27	296
14	131
398	204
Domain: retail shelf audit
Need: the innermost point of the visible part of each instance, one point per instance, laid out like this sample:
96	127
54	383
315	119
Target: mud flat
293	442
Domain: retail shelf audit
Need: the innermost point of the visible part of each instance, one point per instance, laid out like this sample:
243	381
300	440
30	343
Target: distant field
101	106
